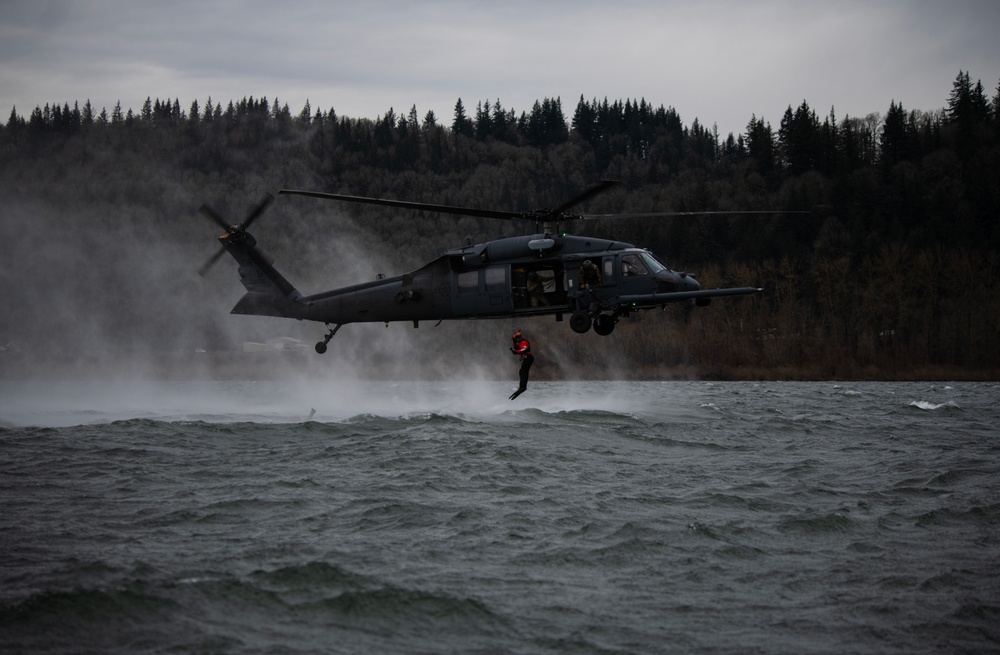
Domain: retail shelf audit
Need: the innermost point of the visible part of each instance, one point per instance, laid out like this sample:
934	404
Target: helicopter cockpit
641	262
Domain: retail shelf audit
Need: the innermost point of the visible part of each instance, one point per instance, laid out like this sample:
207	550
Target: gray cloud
719	61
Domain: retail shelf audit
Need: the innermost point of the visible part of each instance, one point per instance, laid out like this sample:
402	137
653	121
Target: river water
430	517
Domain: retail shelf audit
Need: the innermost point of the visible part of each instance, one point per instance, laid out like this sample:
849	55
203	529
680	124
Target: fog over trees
889	275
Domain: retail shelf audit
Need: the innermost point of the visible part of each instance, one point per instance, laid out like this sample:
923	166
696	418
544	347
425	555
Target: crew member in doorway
522	349
589	275
536	290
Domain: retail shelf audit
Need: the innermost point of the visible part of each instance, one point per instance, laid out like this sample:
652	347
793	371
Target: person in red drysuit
522	349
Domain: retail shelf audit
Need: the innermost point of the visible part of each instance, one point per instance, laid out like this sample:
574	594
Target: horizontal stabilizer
268	304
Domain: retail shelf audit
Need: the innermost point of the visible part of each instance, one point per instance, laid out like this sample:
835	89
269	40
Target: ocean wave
832	522
982	516
143	614
932	407
86	619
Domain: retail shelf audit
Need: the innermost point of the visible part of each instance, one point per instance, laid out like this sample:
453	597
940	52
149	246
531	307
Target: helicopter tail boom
268	292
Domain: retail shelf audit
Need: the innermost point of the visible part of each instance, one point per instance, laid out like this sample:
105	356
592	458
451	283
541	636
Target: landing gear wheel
604	325
580	322
321	346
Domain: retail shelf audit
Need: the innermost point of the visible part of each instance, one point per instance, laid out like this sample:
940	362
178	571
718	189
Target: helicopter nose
689	283
671	281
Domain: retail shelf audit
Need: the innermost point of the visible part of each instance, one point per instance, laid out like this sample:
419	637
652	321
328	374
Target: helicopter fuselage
595	281
516	276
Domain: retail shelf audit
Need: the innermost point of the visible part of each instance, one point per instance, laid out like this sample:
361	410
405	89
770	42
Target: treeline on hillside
891	268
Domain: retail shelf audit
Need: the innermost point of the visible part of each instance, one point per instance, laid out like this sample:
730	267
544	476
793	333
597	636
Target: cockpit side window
653	263
633	265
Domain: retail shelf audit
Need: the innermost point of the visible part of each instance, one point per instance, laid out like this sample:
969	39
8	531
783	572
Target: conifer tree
967	102
996	106
87	118
895	138
461	125
760	144
584	120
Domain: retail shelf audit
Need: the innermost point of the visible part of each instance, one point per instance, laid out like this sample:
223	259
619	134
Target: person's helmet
588	263
517	334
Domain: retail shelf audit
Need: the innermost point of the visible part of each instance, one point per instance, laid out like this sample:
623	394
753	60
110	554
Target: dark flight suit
523	349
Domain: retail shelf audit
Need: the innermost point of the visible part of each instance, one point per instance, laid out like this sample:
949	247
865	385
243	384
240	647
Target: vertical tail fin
268	292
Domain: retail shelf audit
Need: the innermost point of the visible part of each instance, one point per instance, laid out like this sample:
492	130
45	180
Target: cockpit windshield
652	262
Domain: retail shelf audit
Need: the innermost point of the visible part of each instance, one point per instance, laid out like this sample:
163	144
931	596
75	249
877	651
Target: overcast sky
720	61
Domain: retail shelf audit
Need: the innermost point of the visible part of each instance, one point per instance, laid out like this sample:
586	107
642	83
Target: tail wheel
321	345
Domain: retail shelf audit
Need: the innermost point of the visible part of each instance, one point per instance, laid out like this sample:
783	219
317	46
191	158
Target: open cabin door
538	286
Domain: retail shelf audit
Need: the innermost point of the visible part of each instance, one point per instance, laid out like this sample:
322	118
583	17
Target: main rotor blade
441	209
598	188
590	217
557	213
256	212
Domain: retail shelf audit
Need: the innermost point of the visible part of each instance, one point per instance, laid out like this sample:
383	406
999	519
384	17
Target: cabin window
496	279
609	270
468	282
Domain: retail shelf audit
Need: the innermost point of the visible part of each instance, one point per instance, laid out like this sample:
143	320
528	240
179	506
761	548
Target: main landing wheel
321	347
604	325
580	321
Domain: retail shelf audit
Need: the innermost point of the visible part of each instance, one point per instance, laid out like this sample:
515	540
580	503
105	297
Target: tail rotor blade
210	262
205	210
217	218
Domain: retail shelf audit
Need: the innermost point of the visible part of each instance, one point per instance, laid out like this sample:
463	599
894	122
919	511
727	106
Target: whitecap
930	407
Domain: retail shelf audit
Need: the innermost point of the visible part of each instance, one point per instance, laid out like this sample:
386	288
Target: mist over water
63	404
117	282
395	517
112	292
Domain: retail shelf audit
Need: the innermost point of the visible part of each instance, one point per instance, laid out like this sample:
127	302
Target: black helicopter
540	274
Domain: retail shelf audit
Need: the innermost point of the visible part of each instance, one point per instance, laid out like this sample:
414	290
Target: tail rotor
233	231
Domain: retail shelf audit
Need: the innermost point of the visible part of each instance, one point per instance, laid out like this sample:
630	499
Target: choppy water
440	518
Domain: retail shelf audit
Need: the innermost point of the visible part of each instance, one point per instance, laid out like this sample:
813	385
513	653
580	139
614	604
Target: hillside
888	276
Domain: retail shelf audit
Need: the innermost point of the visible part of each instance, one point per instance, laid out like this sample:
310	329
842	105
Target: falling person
522	349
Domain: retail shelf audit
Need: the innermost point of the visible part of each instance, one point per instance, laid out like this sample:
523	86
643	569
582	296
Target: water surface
629	517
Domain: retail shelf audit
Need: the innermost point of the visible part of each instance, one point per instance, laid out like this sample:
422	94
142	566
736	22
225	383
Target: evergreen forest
888	274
